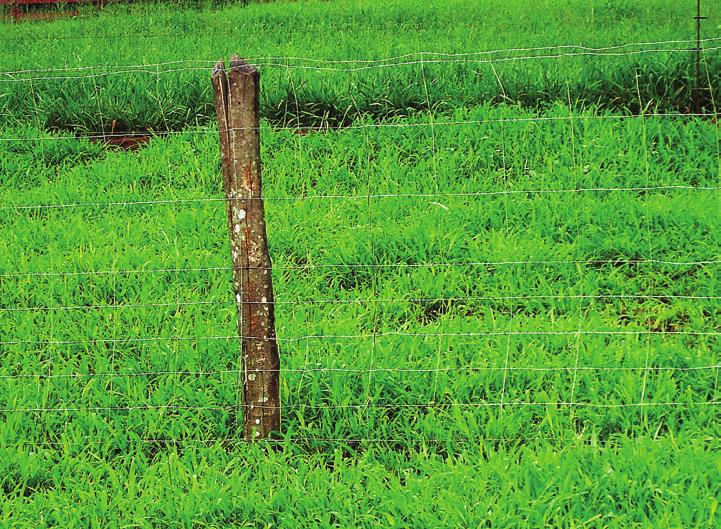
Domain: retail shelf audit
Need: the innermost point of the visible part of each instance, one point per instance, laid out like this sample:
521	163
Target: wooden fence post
236	103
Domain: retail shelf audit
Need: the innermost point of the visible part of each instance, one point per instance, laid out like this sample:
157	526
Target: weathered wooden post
236	103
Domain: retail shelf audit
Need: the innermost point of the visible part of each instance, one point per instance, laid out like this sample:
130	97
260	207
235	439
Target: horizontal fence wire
418	440
454	369
551	262
460	194
364	126
180	303
384	60
365	406
10	76
582	332
300	440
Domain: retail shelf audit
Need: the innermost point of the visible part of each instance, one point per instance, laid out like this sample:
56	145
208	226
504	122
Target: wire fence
439	305
417	58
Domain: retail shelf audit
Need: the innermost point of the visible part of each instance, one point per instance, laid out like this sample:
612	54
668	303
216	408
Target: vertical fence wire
374	259
649	218
506	226
715	124
299	148
436	189
576	169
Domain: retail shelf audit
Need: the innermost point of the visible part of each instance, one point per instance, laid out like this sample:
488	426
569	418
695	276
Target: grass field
497	303
315	81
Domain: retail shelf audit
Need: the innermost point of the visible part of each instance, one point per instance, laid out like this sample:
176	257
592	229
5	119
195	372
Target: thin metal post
697	104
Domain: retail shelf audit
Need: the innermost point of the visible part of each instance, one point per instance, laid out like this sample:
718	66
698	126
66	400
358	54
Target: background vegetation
281	36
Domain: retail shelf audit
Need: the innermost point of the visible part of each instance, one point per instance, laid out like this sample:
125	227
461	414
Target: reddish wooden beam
18	14
40	2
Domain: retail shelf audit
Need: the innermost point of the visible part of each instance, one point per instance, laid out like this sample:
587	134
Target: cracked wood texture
236	103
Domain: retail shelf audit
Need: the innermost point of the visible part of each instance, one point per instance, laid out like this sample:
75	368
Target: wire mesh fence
492	273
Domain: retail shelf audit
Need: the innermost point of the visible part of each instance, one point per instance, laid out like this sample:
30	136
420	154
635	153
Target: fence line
638	332
391	125
469	369
422	59
469	194
382	60
572	262
304	439
435	406
582	438
179	303
9	78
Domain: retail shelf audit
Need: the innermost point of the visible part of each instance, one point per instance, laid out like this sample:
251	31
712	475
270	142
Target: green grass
519	328
532	461
171	97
